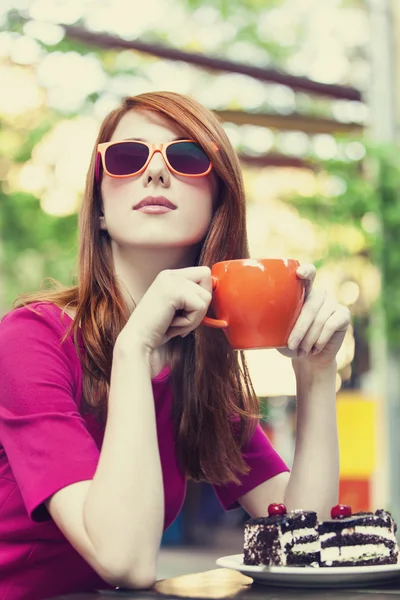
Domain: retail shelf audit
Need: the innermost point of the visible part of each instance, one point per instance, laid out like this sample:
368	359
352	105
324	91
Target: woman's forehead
147	125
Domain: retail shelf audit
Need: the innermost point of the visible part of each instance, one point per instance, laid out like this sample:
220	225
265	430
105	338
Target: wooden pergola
291	122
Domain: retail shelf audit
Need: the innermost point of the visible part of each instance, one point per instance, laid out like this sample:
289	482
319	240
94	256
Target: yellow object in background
356	423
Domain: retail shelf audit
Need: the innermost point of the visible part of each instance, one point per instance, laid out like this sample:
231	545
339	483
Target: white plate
312	577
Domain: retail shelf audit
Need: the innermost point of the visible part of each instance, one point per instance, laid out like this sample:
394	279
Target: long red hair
214	404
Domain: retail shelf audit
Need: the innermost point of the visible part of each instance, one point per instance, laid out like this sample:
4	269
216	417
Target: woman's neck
137	268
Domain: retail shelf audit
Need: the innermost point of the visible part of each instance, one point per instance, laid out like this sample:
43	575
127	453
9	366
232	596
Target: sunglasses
128	158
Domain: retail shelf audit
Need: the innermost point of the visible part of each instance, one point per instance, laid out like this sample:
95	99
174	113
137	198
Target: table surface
227	584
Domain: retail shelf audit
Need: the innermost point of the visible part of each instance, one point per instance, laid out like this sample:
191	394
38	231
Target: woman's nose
157	169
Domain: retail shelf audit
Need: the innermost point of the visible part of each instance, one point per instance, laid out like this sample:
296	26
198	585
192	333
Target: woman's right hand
155	320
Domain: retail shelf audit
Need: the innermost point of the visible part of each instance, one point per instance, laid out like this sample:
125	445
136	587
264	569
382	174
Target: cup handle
214	323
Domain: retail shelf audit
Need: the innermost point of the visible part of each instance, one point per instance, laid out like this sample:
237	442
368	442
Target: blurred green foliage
34	244
371	189
387	243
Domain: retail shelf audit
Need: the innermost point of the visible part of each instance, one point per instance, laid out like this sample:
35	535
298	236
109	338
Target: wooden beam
276	160
300	84
291	122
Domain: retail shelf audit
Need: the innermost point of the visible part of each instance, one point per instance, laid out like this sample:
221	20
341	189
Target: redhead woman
112	394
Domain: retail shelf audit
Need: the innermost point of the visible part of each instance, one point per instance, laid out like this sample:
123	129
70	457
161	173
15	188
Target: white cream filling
301	533
286	538
382	532
282	556
308	547
353	552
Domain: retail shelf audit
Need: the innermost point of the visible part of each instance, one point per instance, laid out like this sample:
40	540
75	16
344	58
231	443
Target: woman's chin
164	243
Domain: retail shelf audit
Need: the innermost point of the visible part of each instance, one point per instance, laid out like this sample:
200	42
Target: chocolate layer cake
297	539
359	540
304	548
282	539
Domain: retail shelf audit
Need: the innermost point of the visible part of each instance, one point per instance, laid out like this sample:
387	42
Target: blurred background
309	94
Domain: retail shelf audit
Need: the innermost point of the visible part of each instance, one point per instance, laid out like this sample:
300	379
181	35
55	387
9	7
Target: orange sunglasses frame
153	148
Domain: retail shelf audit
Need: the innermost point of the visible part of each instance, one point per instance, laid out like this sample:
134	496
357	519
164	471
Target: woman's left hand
321	326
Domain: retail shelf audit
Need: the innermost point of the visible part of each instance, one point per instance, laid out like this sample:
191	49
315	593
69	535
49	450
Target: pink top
47	444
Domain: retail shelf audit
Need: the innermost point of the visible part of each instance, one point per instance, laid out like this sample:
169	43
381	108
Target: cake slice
282	538
304	547
263	542
358	540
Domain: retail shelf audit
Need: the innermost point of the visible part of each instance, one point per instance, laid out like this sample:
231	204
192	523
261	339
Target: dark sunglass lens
126	158
188	158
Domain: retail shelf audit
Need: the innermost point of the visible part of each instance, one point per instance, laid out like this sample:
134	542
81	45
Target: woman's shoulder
38	318
36	349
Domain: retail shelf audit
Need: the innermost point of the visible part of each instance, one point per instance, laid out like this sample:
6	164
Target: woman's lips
155	205
154	209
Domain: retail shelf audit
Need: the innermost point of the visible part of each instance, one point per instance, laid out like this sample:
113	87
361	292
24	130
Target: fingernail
301	353
301	271
294	343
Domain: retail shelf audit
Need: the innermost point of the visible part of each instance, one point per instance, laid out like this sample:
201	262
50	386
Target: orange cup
256	301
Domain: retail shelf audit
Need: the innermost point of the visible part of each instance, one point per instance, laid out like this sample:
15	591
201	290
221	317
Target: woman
99	433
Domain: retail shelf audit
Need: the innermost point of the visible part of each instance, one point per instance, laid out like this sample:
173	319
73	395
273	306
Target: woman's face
193	197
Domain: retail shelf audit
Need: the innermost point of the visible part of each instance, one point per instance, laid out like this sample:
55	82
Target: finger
196	303
179	332
307	273
173	278
206	282
202	290
176	332
199	275
194	306
184	327
327	309
188	319
173	332
190	296
336	326
182	321
308	313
